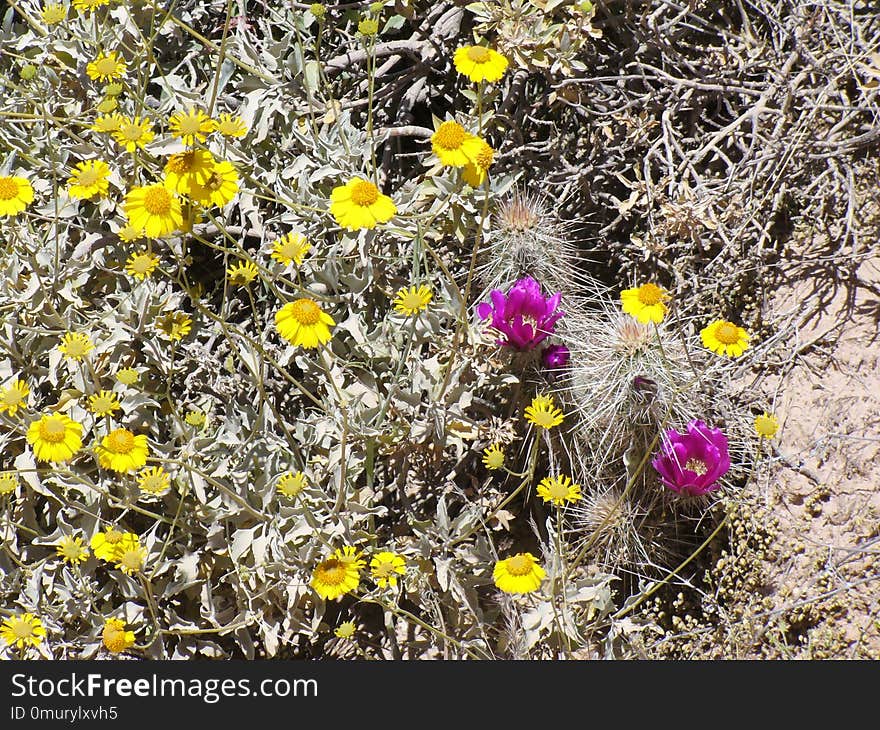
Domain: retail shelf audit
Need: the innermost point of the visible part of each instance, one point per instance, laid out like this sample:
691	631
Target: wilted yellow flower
127	376
106	67
543	413
104	403
231	126
304	323
134	133
479	63
368	26
76	345
115	637
107	105
154	480
141	264
725	338
242	273
89	180
385	567
195	417
21	630
87	6
122	451
8	482
175	325
345	630
359	204
71	550
413	300
291	247
108	123
518	574
191	125
646	303
14	397
16	194
53	13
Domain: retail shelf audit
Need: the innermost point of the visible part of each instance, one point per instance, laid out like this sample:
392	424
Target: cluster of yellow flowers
25	629
340	573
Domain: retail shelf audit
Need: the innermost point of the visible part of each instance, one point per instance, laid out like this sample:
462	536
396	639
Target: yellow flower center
331	572
557	490
519	565
727	333
21	629
485	157
111	537
181	162
157	201
698	466
305	311
543	418
71	550
88	177
52	430
8	188
364	193
131	132
478	54
450	135
189	124
650	294
106	66
384	570
103	404
412	300
121	441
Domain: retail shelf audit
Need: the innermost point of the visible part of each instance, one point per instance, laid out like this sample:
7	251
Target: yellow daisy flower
129	555
129	233
104	544
86	6
242	273
55	437
518	574
71	550
14	397
725	338
219	188
185	168
53	13
191	126
106	67
290	485
154	209
493	457
115	637
475	173
345	630
141	264
127	376
455	146
413	300
385	567
766	425
16	194
8	482
89	180
336	576
21	630
174	325
154	480
231	126
291	247
543	413
559	490
195	417
479	63
76	345
122	451
108	123
645	303
304	323
359	204
104	403
134	133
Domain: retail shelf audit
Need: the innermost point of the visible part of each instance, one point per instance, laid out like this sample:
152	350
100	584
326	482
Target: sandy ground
825	582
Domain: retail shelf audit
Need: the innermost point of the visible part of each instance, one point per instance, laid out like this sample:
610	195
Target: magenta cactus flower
692	463
555	356
524	315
